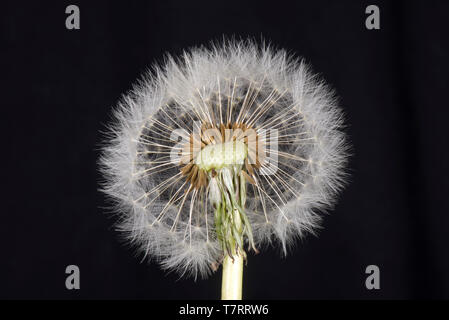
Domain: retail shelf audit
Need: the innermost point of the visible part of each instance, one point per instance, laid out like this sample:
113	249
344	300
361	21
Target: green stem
232	225
231	285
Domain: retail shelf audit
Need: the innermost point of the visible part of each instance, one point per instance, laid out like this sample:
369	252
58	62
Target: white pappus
174	209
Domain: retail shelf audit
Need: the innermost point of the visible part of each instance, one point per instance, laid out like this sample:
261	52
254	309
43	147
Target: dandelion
220	152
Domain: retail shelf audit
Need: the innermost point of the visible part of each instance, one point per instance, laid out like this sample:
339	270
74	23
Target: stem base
231	287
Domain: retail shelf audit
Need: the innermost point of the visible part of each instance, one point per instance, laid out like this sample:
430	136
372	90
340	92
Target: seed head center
217	156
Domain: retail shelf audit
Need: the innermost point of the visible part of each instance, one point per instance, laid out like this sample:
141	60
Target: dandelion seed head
234	125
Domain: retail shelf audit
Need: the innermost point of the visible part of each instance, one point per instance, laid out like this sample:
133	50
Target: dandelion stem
231	285
228	196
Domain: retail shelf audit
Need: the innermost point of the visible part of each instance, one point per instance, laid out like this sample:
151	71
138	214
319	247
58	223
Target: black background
58	89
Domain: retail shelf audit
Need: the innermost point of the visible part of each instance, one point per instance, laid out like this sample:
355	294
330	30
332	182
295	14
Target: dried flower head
233	145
